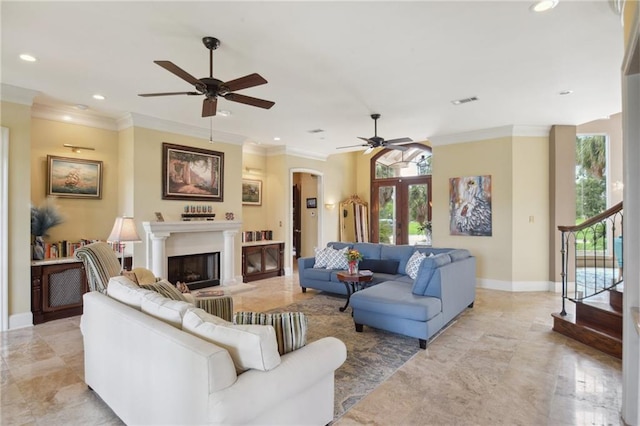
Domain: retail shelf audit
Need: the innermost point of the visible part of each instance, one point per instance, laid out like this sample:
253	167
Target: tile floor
499	363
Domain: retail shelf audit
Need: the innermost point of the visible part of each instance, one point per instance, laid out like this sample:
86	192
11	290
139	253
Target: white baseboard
288	271
513	286
22	320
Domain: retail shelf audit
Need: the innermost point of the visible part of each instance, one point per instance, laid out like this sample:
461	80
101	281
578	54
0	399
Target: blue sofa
444	287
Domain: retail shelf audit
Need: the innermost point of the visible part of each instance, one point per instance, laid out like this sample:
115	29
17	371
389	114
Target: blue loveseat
445	285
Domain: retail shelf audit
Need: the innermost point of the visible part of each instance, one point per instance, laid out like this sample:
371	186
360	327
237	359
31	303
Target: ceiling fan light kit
378	142
211	87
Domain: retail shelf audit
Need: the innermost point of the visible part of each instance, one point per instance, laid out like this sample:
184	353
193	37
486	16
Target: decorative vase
353	267
427	235
38	248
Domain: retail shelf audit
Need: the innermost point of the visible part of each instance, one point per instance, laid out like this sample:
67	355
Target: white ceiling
329	64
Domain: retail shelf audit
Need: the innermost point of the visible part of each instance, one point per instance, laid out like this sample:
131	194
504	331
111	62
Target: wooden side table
353	283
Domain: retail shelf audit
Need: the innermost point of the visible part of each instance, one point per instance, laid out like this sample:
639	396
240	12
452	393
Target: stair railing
592	256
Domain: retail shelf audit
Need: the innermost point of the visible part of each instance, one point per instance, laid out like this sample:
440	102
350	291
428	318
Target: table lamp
124	230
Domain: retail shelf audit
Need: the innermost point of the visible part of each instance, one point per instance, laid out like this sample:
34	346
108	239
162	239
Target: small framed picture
312	203
159	217
251	192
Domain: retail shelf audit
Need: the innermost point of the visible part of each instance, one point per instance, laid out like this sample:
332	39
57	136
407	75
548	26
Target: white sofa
151	372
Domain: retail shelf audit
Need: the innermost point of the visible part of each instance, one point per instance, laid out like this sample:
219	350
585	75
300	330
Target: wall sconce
329	206
75	148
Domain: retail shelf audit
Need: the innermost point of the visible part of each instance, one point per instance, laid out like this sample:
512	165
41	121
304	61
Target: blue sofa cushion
338	245
392	298
399	253
319	274
459	254
426	271
383	266
368	250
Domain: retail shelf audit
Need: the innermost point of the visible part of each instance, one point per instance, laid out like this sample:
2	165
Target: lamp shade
124	229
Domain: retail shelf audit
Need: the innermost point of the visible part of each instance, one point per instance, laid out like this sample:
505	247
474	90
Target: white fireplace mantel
166	239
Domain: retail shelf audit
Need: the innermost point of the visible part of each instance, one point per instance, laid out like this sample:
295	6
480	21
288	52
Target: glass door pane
418	209
387	214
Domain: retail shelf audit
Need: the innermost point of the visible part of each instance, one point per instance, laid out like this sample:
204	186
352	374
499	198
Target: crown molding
249	148
295	152
139	120
57	113
492	133
17	95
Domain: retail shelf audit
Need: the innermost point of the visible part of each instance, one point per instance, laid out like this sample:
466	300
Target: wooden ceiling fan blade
245	82
248	100
173	68
209	107
168	94
399	140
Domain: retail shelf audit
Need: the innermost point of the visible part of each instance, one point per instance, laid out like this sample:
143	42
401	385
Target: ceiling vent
465	100
316	131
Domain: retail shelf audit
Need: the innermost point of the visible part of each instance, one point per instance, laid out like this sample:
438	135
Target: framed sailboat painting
74	177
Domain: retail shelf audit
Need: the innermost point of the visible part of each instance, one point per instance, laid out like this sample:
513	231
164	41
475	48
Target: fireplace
196	270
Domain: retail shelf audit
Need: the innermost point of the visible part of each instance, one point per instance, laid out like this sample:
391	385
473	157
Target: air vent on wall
465	100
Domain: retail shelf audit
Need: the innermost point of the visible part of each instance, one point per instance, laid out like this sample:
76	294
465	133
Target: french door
399	207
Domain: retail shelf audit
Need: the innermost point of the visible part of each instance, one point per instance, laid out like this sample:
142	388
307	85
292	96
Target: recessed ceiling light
224	113
27	57
565	92
543	5
99	97
276	138
66	117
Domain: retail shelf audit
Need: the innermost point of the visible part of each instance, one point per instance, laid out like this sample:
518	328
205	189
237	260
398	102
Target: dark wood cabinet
56	289
57	286
262	260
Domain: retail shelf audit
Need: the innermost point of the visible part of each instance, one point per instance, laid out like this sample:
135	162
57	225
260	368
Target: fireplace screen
196	270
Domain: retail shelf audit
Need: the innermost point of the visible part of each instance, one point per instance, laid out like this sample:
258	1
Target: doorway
305	213
401	195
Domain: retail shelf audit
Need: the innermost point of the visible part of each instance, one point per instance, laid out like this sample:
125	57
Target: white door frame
4	228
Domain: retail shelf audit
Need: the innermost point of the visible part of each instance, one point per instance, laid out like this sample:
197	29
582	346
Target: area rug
372	356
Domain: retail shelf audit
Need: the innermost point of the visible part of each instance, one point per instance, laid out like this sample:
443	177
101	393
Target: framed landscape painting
193	174
74	177
252	192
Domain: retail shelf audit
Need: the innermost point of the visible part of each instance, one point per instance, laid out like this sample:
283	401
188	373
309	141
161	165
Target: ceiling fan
211	87
376	141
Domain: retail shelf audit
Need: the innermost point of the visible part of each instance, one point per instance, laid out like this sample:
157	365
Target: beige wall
17	118
147	175
488	157
83	218
530	207
256	218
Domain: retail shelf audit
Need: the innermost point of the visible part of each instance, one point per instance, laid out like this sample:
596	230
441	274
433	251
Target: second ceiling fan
211	87
378	142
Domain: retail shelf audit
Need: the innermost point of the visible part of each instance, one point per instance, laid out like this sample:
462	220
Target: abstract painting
470	206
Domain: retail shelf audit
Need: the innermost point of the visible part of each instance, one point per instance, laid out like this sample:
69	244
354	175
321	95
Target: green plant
425	226
44	217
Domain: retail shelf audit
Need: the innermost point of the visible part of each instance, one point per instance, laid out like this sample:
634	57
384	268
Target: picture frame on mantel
74	177
251	192
192	174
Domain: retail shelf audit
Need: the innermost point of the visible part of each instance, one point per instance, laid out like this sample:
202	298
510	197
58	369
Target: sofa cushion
126	291
368	250
338	259
459	254
399	253
384	266
426	271
317	274
290	327
167	310
322	257
250	346
337	245
166	289
392	298
413	264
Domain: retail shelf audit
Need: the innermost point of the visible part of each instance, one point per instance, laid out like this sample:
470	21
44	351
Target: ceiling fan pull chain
211	129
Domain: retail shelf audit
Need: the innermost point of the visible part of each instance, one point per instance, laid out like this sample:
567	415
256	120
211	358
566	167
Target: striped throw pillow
290	327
